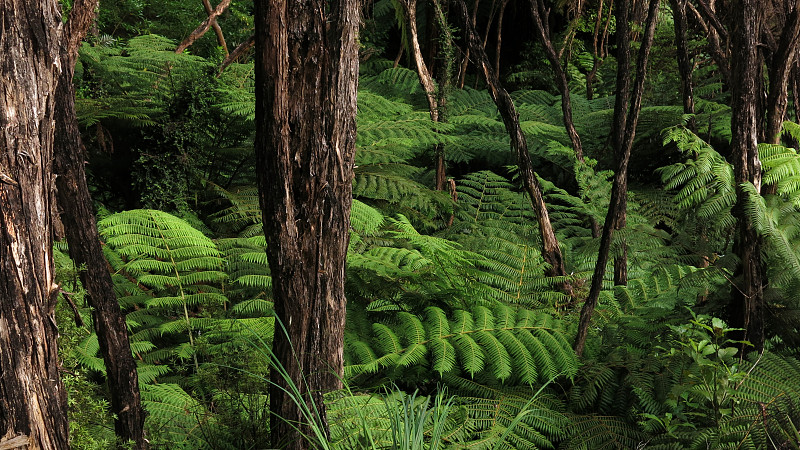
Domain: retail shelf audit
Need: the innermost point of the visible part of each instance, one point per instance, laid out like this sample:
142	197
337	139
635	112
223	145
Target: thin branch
201	30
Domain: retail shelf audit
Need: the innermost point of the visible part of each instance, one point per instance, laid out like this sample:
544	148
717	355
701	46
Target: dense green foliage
455	337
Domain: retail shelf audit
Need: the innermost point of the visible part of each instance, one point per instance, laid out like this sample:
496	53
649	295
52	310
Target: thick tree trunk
77	215
747	300
306	79
33	402
550	249
543	34
625	122
684	60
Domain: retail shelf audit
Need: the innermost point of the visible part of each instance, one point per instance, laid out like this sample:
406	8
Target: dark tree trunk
543	34
625	125
550	249
684	60
499	42
78	218
33	402
747	300
779	71
306	79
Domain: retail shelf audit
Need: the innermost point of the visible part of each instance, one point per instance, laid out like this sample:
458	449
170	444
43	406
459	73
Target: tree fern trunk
78	217
306	79
747	300
550	249
33	402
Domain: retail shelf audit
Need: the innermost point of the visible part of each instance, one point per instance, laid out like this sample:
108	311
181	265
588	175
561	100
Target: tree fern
480	343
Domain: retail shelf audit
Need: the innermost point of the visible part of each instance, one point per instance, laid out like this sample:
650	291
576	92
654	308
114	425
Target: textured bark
625	122
684	60
33	407
747	300
550	249
203	28
543	34
78	218
306	79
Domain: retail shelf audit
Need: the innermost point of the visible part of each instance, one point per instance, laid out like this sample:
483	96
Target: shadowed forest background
461	323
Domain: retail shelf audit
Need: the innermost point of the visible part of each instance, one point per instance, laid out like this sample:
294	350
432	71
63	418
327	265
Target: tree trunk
33	402
747	300
779	71
216	27
306	79
465	63
426	81
499	42
623	143
203	28
550	249
543	34
78	217
684	60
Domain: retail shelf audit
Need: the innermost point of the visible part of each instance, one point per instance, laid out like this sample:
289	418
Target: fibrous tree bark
747	303
550	249
78	217
625	119
33	407
306	79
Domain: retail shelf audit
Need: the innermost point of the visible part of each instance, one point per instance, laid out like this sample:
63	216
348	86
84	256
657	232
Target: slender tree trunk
465	63
33	402
623	143
237	53
426	80
747	300
779	71
203	28
543	34
306	79
550	249
684	60
77	215
499	42
216	27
